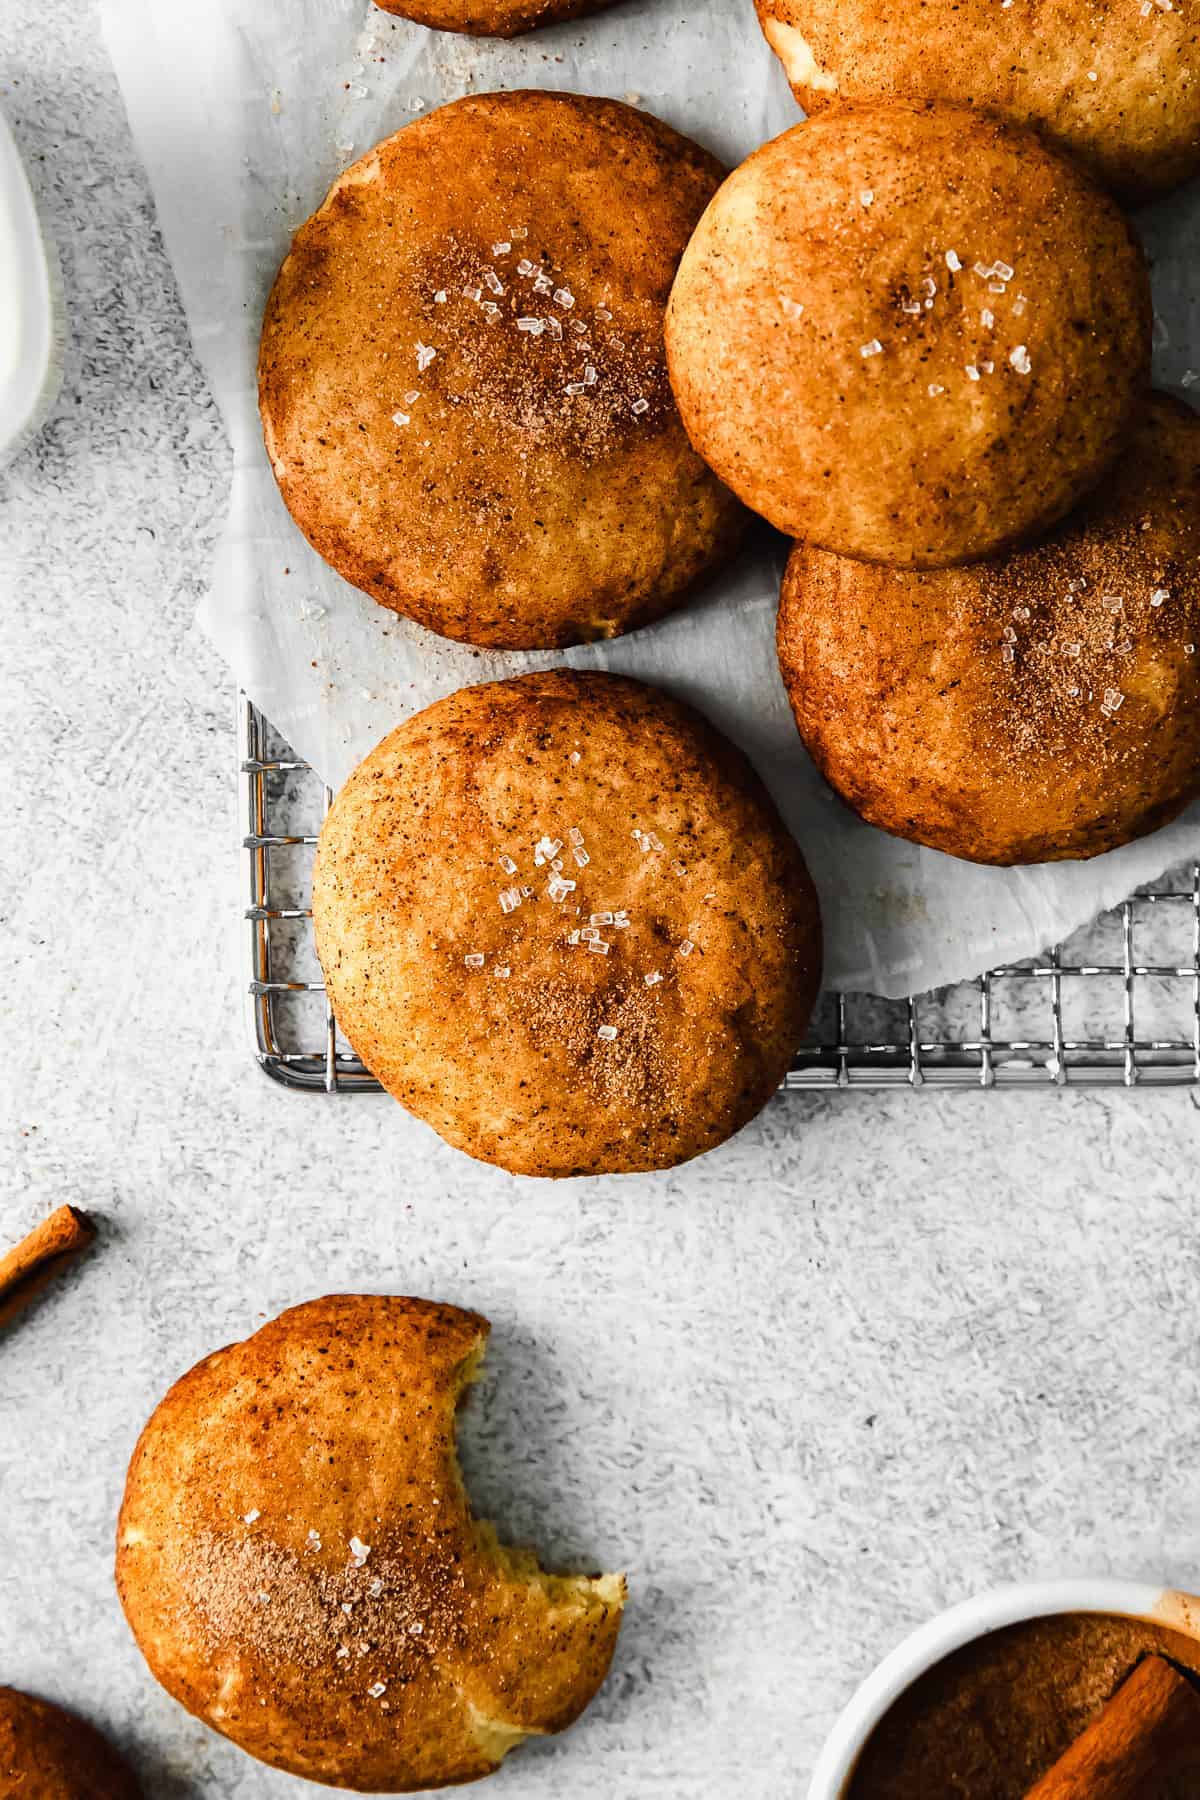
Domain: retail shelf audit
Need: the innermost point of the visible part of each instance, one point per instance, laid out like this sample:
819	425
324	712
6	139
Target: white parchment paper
244	113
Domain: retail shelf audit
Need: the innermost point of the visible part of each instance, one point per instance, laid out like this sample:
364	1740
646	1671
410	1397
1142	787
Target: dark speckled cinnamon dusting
988	1721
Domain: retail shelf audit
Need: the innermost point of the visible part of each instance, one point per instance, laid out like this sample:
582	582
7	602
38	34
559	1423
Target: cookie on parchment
910	334
463	382
490	18
1040	707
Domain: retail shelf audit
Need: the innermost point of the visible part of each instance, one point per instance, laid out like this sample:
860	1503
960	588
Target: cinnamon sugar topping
1076	621
502	351
255	1596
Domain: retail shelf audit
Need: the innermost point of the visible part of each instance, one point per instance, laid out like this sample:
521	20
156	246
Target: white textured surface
874	1354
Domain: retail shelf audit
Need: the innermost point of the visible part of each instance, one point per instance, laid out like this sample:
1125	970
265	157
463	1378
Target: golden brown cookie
49	1754
910	334
298	1560
462	375
490	18
1115	83
562	922
1042	707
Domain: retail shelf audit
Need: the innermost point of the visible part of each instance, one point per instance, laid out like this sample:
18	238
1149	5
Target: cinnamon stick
33	1263
1151	1724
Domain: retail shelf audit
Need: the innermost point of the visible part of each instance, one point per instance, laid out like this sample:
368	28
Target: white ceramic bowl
974	1619
32	321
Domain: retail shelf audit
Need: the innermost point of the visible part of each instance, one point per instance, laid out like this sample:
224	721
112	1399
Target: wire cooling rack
1118	1004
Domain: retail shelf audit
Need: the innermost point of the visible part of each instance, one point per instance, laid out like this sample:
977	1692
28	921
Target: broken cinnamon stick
1151	1724
33	1263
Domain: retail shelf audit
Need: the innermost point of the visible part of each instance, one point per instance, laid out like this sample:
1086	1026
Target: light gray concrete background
874	1355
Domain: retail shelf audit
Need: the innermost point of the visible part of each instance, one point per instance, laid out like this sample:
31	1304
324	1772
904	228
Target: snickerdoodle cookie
562	922
910	334
300	1566
1041	707
1115	83
490	18
462	375
49	1754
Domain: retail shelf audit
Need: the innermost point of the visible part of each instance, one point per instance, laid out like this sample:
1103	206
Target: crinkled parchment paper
244	113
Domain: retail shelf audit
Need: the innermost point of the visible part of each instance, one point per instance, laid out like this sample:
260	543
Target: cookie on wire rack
561	921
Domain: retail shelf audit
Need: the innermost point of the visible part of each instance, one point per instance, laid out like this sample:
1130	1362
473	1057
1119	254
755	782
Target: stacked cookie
559	917
916	337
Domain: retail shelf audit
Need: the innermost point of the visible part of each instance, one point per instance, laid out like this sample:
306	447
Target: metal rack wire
1117	1005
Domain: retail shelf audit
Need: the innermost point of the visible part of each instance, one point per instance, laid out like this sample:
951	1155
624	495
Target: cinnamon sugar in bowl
979	1703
